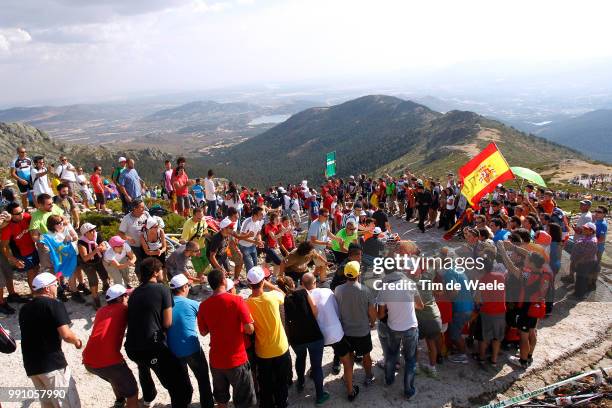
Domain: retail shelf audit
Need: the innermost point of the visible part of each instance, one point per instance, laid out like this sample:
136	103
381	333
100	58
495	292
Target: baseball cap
116	241
114	292
122	159
377	231
178	281
42	280
85	228
255	275
351	269
590	226
225	223
229	284
282	190
586	202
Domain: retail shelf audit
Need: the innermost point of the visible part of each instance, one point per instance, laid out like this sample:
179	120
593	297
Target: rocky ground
576	337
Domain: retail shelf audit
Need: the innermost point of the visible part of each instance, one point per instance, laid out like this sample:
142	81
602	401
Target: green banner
330	164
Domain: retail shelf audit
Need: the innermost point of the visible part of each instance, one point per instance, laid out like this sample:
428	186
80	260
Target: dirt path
577	335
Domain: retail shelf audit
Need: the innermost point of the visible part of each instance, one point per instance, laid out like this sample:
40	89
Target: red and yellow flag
480	175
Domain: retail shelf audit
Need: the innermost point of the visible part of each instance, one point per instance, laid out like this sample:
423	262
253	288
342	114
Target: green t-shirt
390	189
39	219
348	239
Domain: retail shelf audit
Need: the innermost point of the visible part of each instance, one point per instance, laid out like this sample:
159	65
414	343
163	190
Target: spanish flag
480	175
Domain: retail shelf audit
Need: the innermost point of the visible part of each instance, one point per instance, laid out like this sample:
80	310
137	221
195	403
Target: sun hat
85	228
116	241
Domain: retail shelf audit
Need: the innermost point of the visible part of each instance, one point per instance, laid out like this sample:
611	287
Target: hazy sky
95	48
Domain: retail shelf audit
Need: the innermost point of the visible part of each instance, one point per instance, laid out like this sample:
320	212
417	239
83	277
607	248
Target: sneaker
84	289
429	370
6	309
458	359
351	397
369	380
336	369
77	297
324	397
16	298
518	362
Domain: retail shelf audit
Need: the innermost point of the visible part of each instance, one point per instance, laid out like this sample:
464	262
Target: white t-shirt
450	199
64	173
82	182
327	315
399	302
584	218
41	184
209	189
132	226
249	225
110	255
319	231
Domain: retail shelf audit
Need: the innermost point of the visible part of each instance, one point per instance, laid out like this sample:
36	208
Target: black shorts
120	377
524	323
24	189
359	345
341	348
241	381
100	198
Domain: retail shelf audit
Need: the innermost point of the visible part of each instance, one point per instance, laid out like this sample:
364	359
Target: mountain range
379	134
590	133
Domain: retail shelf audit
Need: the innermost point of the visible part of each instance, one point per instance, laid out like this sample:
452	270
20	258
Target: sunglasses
19	213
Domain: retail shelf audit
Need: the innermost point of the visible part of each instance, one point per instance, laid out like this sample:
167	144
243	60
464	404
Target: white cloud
197	43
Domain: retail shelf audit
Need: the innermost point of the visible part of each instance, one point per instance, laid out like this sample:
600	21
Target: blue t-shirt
601	229
501	235
198	191
23	168
130	180
183	334
463	302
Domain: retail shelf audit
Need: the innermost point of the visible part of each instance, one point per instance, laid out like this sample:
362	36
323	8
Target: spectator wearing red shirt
19	249
328	200
102	355
227	318
273	232
98	185
287	243
180	183
492	311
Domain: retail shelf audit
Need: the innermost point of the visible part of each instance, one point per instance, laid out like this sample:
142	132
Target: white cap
85	228
352	177
114	292
152	222
226	222
178	281
122	159
42	280
377	231
229	284
255	275
282	190
590	225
